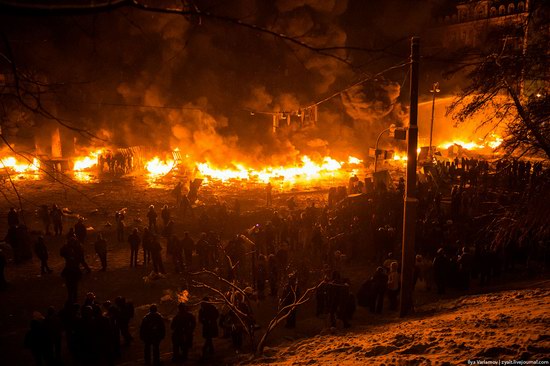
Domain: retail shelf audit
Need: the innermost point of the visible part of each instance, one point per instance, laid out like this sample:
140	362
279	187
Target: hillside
508	325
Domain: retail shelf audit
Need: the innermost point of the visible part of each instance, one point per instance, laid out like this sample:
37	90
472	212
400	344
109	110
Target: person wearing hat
183	326
152	332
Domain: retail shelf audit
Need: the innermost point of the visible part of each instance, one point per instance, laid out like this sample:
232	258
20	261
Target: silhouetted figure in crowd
134	240
41	252
119	219
13	240
338	301
55	330
175	250
24	243
152	332
73	255
125	313
208	317
152	216
147	244
465	267
44	216
183	326
237	327
188	245
379	285
109	345
57	219
177	192
90	299
165	214
441	269
80	231
38	341
13	218
156	255
393	285
290	295
202	251
100	247
168	230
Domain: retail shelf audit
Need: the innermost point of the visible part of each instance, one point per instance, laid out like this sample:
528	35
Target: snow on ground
509	325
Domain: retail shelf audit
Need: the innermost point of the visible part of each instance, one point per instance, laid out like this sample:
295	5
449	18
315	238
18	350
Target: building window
493	11
511	8
521	7
501	10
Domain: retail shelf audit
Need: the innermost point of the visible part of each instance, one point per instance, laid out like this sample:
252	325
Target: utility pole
411	202
434	91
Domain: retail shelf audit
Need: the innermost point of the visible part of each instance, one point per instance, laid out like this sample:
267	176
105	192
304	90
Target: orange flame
11	163
490	142
86	162
307	170
157	167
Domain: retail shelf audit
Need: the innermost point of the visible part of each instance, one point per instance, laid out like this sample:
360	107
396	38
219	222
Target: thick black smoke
166	81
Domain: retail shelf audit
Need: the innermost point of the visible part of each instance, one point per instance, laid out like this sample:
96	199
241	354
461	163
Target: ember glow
305	171
12	163
158	168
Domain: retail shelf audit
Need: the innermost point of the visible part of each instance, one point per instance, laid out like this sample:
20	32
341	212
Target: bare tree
285	311
511	83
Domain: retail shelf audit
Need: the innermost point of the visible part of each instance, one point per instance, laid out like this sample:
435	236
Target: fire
19	167
492	142
239	172
157	167
496	142
86	162
183	296
306	170
400	156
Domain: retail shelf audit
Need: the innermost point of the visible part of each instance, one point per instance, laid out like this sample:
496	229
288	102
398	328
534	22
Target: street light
392	129
434	91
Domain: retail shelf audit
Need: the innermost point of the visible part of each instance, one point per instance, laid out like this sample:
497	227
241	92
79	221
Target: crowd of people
286	249
94	332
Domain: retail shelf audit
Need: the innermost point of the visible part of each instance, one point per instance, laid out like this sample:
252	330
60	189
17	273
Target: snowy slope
509	325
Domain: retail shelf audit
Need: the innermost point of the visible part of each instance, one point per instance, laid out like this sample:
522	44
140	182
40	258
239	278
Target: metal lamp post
391	128
434	91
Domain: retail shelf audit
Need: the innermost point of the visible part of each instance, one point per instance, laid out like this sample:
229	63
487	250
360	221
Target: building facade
468	23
